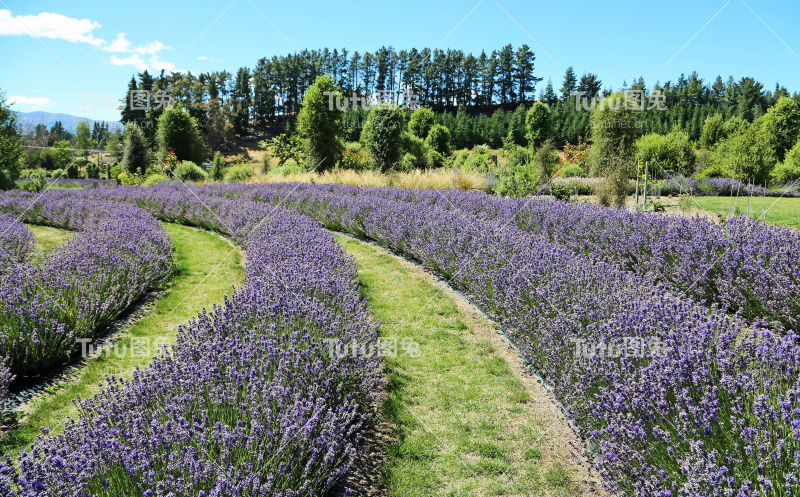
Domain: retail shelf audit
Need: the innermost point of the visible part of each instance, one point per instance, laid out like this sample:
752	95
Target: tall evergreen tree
570	83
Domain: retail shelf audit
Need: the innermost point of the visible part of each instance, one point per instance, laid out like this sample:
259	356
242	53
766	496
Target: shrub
613	134
482	149
36	182
357	161
381	136
130	179
178	132
92	171
713	131
353	146
439	139
217	167
320	125
238	174
653	206
546	158
572	171
435	159
189	171
789	169
519	156
113	172
516	182
749	155
476	162
284	148
578	155
560	192
153	179
781	124
673	152
408	162
415	146
421	122
538	124
715	170
136	154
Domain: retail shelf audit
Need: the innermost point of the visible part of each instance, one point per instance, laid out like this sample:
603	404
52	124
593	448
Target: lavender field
670	342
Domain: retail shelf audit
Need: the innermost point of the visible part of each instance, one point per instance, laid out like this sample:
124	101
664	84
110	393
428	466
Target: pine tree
569	85
550	94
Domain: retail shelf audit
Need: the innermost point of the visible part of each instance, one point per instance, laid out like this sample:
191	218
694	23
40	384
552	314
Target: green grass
47	238
463	422
197	253
780	211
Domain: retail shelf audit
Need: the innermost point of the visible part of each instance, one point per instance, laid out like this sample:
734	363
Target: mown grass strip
197	253
47	238
782	211
463	421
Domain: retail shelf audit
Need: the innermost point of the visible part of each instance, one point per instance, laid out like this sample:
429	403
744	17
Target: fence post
646	170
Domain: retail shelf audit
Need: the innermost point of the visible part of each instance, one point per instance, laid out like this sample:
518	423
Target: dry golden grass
432	179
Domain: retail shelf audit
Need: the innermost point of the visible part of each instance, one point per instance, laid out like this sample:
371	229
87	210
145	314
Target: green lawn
47	238
781	211
197	253
464	422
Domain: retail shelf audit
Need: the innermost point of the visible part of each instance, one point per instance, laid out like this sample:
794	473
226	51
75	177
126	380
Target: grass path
47	238
197	253
468	418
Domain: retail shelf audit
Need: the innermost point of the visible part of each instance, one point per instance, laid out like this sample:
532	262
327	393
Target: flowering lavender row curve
742	265
716	413
16	242
249	402
82	285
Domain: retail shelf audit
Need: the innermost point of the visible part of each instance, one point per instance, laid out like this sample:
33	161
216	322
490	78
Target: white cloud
160	64
150	48
203	57
133	60
122	45
36	102
152	65
50	25
119	45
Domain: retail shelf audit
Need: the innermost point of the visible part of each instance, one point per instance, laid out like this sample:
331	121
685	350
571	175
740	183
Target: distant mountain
70	122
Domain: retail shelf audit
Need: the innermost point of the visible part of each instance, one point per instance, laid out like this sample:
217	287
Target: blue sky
86	50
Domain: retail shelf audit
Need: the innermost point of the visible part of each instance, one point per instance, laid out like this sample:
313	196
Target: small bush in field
189	171
238	174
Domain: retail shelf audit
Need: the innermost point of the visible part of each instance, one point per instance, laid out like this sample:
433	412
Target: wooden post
646	170
638	172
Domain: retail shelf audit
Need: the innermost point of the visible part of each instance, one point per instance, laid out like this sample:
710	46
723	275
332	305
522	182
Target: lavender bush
82	285
16	242
249	401
710	407
716	412
743	265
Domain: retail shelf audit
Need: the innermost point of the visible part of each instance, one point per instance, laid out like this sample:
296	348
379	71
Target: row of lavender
743	265
678	398
77	289
249	401
724	187
16	242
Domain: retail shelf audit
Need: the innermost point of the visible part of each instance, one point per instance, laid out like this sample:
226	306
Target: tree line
479	93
